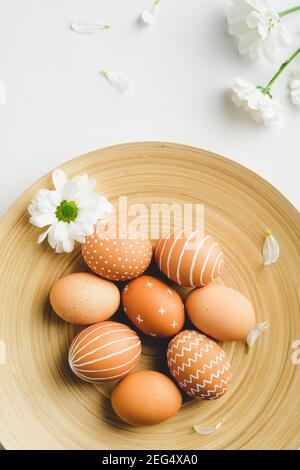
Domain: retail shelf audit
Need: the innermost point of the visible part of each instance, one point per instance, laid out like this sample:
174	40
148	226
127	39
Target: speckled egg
83	298
153	306
117	254
199	365
220	312
104	352
145	398
189	258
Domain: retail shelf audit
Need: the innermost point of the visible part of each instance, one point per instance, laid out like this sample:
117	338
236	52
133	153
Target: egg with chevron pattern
199	365
189	258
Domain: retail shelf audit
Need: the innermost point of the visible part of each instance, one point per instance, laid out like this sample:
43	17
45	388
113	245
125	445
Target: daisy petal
59	248
255	333
59	179
88	25
42	220
61	231
149	15
104	208
69	191
206	431
116	80
43	236
68	244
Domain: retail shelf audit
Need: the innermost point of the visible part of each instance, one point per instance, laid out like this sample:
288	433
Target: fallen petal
2	92
149	14
270	249
255	333
206	431
116	80
88	25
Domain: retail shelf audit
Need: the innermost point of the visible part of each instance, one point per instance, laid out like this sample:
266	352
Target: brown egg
104	352
118	255
84	298
199	365
153	307
146	397
220	312
188	258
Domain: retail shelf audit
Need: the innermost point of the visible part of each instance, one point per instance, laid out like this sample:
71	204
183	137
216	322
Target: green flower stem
289	11
267	89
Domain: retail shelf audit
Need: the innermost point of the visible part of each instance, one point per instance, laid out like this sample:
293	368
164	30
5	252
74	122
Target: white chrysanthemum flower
295	88
70	210
257	27
262	107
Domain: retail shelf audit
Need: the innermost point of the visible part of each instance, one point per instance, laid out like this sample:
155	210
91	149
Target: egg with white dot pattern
116	253
153	307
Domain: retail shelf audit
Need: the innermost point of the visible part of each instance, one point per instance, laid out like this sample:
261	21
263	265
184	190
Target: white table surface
58	105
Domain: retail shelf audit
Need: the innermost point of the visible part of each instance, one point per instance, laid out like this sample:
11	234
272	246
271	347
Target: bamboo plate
43	406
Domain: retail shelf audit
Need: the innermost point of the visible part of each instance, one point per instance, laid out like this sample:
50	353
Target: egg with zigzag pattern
199	365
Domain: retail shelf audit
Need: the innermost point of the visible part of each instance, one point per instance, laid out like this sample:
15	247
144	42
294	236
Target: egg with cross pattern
153	307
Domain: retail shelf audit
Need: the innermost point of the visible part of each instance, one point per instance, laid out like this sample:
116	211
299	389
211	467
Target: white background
58	105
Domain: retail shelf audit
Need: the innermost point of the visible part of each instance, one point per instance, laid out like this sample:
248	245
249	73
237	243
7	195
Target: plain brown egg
145	397
220	312
83	298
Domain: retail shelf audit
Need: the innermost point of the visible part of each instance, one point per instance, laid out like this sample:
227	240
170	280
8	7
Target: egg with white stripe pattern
104	352
189	258
199	365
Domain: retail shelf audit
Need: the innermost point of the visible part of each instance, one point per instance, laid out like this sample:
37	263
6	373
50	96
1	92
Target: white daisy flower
257	27
70	211
262	107
294	86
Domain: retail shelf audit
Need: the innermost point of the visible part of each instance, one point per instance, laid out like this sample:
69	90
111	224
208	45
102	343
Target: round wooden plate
43	406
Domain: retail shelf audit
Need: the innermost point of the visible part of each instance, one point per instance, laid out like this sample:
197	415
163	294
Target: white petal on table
206	431
88	25
116	80
149	14
271	249
2	92
255	333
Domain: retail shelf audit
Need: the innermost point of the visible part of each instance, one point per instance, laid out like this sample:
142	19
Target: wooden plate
43	406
